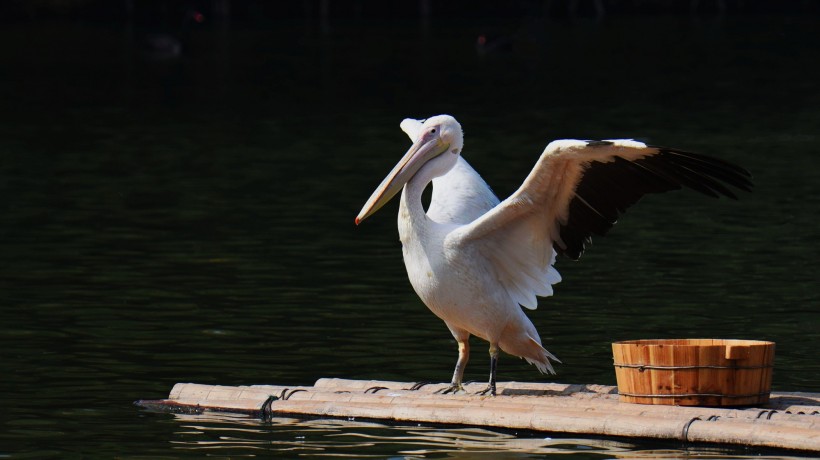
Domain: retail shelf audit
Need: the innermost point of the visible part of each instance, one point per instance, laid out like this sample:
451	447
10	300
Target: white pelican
474	261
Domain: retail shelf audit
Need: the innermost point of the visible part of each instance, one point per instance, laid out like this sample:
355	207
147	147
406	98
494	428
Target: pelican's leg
461	364
493	364
463	340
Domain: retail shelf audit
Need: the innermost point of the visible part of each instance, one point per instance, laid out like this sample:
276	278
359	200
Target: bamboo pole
603	394
576	409
599	402
762	433
205	395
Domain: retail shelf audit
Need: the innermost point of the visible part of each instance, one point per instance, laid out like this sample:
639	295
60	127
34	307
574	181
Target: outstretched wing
577	189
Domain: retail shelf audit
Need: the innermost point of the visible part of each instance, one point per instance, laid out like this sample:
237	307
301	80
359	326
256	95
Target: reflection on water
233	435
361	439
194	223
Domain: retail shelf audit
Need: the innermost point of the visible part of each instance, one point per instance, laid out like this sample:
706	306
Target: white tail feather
543	365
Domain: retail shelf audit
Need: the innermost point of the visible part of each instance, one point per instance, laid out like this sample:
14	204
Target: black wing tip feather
702	173
606	190
732	173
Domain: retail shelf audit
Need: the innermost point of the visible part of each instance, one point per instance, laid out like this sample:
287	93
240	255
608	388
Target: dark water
192	221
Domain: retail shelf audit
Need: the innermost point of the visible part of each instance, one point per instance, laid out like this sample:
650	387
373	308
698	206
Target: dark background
179	183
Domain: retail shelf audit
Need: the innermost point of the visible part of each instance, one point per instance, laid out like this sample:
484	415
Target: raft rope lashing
643	367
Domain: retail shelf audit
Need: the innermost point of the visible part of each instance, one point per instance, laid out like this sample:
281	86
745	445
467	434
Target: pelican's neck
410	209
414	222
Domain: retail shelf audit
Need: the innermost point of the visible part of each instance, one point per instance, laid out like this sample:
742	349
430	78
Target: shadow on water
192	221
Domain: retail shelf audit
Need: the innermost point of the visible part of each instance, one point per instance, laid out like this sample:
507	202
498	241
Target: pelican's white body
461	287
456	281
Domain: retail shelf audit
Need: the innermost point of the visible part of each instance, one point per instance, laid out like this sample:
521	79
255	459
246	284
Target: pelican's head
437	142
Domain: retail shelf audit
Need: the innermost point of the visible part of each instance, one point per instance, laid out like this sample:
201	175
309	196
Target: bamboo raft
786	421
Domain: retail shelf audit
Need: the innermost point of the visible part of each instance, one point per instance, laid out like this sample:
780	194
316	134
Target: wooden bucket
694	372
